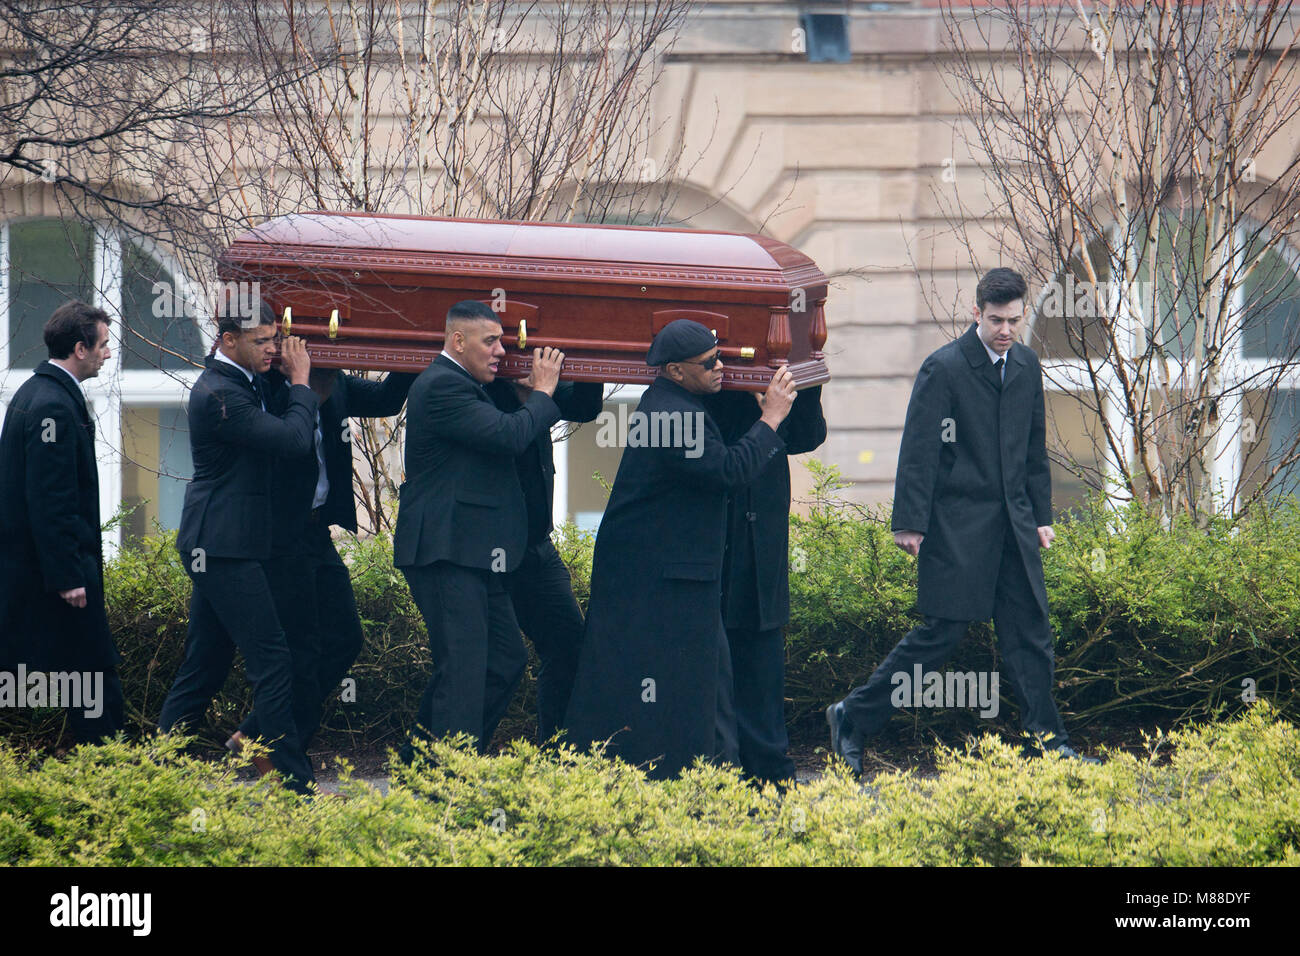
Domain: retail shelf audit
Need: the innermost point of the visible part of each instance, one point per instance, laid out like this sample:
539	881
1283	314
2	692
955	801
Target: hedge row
1155	624
1228	796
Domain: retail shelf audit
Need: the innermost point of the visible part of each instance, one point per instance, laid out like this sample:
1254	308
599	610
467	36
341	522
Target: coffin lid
561	251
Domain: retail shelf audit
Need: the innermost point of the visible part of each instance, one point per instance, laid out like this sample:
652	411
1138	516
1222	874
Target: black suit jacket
972	469
295	479
655	611
236	446
461	501
353	397
49	508
755	574
578	402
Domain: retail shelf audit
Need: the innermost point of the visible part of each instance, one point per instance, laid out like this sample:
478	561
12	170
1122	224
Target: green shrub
1154	624
1227	794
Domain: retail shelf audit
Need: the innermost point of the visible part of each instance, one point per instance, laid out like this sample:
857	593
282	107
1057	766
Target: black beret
679	340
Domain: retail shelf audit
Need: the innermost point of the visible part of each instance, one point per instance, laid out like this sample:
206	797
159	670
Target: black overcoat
50	528
654	622
461	501
972	469
756	571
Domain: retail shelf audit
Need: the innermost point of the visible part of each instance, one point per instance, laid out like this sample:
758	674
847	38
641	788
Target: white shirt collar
70	375
993	356
221	357
452	358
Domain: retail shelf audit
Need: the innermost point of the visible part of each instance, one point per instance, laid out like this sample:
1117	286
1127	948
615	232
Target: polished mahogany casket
371	292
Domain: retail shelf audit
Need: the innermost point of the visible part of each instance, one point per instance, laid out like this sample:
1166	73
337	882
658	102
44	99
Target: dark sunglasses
707	363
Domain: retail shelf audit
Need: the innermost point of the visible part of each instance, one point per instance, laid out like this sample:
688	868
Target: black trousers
1025	643
314	599
726	738
294	592
341	636
541	592
758	670
478	654
233	607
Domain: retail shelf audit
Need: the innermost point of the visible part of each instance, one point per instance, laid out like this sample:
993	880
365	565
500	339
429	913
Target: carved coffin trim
304	258
516	366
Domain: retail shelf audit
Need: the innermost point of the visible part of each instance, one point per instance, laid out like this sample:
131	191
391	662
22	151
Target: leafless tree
119	108
1140	167
475	108
182	123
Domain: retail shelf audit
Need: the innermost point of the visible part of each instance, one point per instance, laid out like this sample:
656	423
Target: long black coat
973	468
755	573
655	608
49	527
461	501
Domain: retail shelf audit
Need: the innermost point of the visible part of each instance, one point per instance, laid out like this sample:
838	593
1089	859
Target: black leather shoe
844	743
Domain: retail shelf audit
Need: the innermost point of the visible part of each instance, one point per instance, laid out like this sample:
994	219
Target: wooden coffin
372	292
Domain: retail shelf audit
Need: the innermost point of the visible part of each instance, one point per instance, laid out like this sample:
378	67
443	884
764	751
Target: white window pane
50	262
156	331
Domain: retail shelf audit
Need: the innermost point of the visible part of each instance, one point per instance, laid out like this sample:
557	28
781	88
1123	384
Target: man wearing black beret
655	671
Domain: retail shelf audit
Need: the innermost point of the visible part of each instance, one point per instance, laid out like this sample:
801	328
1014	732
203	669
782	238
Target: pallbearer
756	579
655	672
540	589
462	525
310	582
225	533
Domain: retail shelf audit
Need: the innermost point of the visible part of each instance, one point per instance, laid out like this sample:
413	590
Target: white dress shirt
994	357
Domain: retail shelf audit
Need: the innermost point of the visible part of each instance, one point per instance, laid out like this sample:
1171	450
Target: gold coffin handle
747	351
523	334
286	323
334	324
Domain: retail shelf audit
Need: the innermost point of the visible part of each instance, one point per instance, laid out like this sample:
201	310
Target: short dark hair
467	310
228	321
1000	286
71	323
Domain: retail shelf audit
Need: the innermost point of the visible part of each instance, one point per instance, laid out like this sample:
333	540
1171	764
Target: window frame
115	388
1074	374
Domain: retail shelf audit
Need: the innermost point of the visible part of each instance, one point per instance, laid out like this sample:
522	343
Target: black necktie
997	367
257	392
